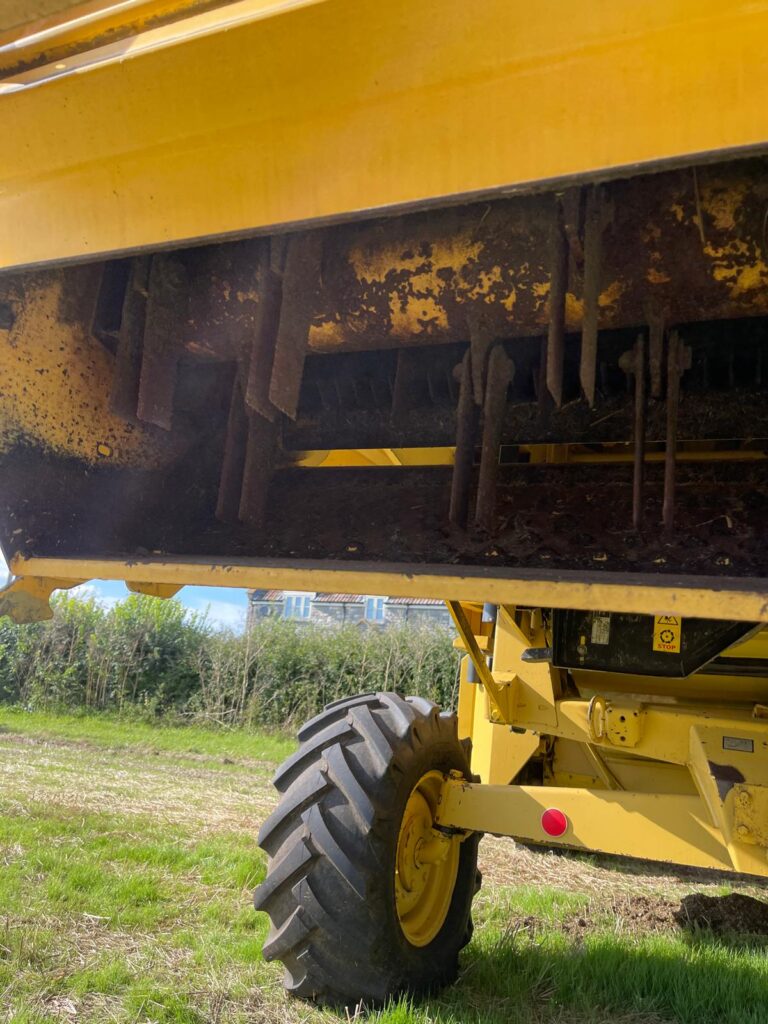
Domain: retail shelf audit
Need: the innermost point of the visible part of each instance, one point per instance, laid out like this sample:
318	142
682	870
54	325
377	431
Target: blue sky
224	606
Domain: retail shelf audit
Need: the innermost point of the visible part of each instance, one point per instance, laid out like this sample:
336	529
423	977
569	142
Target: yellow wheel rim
426	867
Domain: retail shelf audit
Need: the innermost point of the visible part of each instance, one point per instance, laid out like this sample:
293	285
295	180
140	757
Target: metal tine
678	360
233	462
258	466
656	351
638	435
167	303
467	416
124	396
500	373
557	291
595	219
262	352
301	288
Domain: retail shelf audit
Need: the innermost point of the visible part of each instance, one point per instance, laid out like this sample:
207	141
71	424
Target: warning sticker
666	634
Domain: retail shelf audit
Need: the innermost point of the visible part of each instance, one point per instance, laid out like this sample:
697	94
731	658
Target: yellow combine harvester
467	301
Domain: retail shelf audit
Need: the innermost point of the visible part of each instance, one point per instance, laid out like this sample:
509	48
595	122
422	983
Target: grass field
128	857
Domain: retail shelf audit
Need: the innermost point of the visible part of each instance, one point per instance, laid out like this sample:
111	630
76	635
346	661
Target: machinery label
601	629
738	743
666	634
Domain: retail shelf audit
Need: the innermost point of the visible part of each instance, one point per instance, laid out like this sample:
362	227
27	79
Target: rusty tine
233	461
639	433
167	302
301	289
594	225
467	416
557	290
124	396
655	351
500	372
673	401
259	463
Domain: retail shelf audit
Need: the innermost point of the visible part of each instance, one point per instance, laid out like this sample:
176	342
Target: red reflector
554	822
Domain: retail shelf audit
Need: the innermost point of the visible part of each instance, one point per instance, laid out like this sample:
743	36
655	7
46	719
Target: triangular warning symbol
667	620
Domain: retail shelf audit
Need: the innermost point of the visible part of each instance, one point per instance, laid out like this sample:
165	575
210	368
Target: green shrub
152	658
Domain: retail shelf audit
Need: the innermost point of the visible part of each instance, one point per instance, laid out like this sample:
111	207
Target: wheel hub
427	865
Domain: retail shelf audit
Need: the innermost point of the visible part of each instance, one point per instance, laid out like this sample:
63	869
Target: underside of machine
570	380
459	301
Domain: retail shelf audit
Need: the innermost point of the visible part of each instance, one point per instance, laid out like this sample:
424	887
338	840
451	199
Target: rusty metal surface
57	378
413	280
434	278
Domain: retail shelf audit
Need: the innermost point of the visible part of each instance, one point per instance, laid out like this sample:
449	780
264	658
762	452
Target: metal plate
256	115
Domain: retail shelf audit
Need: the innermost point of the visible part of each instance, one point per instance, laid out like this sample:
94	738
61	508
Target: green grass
124	902
111	731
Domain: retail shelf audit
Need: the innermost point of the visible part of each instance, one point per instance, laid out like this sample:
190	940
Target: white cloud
86	591
220	614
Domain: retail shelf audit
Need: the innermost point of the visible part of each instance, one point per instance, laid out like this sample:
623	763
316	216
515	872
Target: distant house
346	609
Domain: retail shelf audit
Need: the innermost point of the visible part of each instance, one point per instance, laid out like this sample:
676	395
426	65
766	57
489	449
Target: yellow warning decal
667	631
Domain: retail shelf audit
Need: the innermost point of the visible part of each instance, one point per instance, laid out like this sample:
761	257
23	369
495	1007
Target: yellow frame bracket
493	689
27	599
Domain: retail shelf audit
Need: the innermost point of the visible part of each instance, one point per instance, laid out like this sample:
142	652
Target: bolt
743	832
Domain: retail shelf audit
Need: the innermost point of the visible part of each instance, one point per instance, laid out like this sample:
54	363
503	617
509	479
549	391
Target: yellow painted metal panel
746	600
652	826
497	754
662	731
234	120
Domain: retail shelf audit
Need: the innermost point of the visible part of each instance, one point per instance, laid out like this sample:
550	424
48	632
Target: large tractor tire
366	899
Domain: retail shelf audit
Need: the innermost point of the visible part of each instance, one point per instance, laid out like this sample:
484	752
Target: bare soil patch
735	913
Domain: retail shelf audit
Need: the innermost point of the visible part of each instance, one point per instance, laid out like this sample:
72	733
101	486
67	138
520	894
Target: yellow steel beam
327	458
366	457
697	597
479	660
654	826
260	114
